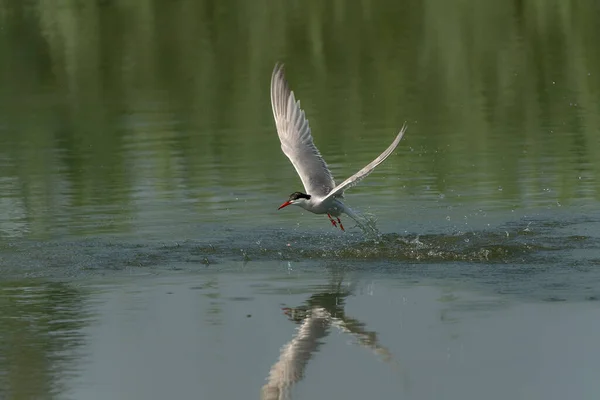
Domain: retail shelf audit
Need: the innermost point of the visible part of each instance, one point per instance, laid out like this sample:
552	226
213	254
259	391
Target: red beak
287	203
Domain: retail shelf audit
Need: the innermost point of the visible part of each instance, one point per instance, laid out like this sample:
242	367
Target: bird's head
296	199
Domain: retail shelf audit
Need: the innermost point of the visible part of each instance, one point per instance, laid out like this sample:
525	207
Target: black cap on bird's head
299	195
293	198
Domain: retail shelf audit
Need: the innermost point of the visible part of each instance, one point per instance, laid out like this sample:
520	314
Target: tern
322	195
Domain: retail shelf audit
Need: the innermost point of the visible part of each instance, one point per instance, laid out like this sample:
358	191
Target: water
142	255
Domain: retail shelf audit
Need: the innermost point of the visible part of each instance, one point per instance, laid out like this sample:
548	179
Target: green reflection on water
40	333
113	112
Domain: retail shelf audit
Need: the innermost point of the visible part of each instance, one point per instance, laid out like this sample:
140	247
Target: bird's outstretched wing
354	179
296	139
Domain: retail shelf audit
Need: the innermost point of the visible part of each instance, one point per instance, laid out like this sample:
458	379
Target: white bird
322	195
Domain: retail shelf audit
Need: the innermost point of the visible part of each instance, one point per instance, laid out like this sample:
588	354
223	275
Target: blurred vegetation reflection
40	337
113	111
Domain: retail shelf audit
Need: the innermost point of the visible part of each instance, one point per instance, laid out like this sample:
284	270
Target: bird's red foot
341	226
332	221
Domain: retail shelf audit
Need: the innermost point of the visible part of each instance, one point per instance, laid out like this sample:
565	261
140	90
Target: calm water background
141	253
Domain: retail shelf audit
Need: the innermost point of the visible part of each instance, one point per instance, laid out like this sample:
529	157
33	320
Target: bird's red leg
332	221
341	226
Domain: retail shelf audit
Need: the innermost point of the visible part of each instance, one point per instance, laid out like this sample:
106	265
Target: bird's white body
318	205
322	195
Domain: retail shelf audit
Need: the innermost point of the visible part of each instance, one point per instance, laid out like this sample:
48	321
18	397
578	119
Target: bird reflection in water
316	317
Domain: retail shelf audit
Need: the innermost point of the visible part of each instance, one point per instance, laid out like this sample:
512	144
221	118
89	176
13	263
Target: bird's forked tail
366	224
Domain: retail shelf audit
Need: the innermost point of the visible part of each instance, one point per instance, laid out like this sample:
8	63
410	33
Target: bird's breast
330	206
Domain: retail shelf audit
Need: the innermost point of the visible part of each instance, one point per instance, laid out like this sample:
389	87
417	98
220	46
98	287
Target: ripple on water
516	244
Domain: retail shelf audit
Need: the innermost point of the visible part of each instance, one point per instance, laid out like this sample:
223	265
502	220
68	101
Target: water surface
141	252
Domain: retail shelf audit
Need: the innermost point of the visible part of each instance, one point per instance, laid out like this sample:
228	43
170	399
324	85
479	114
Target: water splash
523	244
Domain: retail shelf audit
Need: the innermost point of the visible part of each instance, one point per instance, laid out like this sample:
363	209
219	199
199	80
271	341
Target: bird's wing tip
402	131
279	68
